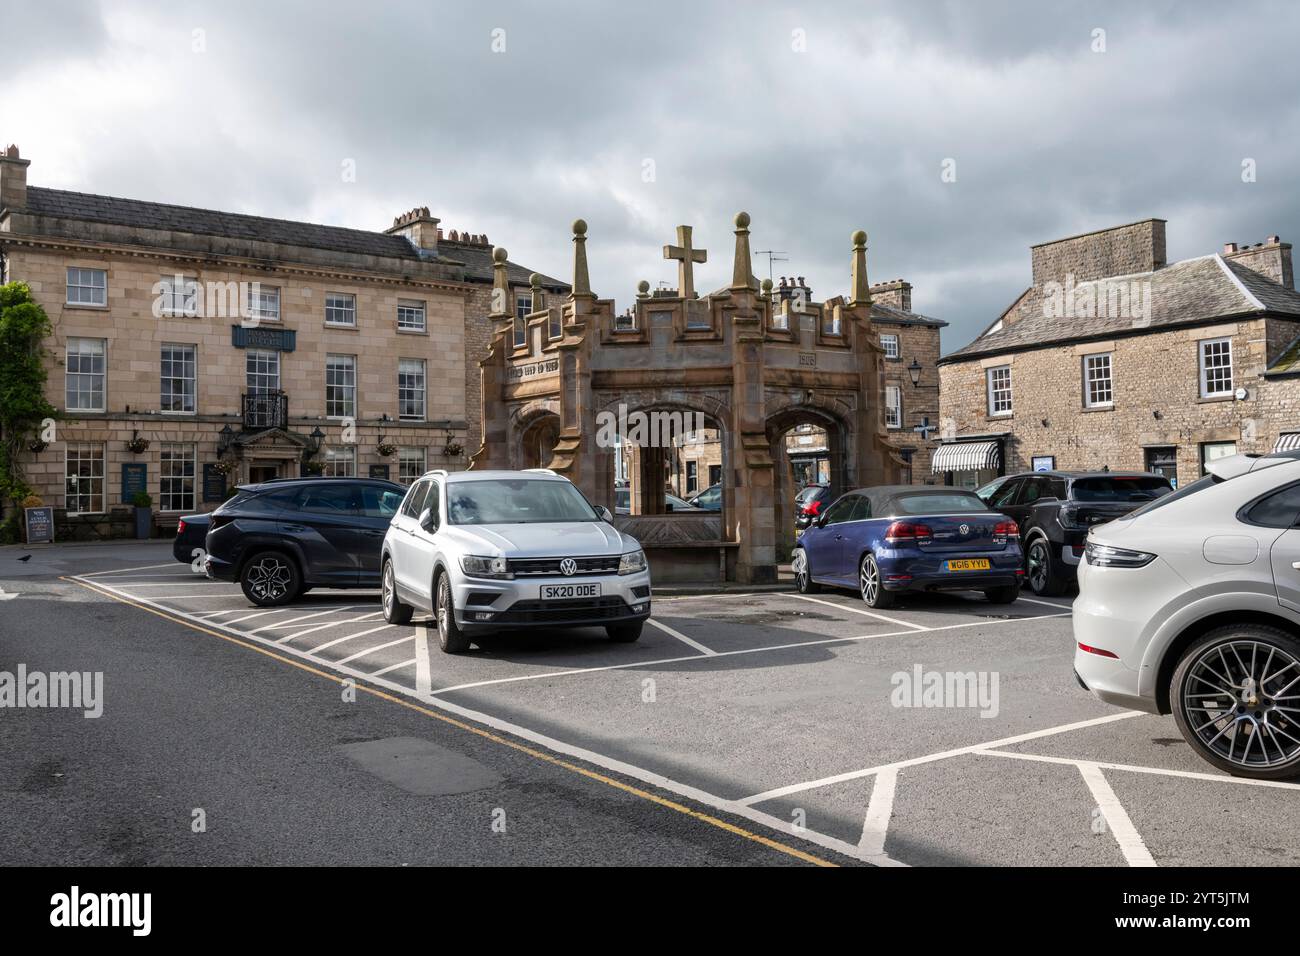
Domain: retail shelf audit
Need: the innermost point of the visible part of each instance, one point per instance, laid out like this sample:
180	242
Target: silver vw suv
495	550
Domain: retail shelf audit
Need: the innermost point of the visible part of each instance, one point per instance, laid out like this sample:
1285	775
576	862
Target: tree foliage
24	326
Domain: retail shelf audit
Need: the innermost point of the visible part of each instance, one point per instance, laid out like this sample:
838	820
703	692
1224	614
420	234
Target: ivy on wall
24	326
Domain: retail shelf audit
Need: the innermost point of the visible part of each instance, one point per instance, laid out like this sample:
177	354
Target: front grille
541	612
550	567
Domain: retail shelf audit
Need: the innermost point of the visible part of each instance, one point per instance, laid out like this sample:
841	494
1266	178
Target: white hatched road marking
423	668
340	640
1157	771
249	617
859	610
305	617
374	650
707	652
875	827
394	667
1034	600
320	627
941	755
1117	820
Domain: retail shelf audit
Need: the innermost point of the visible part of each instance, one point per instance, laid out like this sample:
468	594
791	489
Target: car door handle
295	528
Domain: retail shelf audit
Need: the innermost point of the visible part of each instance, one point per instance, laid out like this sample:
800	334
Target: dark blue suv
280	538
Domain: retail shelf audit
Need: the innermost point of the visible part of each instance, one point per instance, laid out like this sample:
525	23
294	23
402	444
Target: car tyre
1006	594
624	633
451	638
1043	571
871	584
803	573
395	612
1223	653
270	579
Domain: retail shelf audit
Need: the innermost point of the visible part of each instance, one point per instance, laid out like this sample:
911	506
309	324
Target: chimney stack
1271	259
897	294
13	179
419	228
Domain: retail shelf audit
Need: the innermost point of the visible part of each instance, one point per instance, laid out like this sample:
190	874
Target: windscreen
1137	489
939	504
516	501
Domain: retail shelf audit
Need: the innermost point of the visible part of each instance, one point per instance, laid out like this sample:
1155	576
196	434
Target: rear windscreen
1120	488
939	504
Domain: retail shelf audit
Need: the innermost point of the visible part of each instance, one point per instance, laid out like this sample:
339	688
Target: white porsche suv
495	550
1191	604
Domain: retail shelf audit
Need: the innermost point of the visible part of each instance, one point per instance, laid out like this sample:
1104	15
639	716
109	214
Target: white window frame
890	343
407	455
406	392
411	316
894	408
1222	348
340	462
263	303
995	391
70	374
340	386
341	310
1103	395
188	360
84	451
177	468
183	303
254	375
88	291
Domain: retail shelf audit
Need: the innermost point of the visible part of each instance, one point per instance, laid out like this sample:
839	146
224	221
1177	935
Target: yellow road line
486	734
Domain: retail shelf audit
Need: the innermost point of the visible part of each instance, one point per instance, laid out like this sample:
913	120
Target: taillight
813	507
180	527
907	531
1005	530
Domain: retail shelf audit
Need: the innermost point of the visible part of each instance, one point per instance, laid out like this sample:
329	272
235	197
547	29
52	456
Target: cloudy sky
817	118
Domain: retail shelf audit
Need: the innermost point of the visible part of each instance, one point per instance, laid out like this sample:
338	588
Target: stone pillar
875	460
494	449
576	455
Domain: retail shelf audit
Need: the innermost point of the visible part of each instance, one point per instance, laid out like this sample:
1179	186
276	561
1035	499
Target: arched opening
809	446
537	440
669	460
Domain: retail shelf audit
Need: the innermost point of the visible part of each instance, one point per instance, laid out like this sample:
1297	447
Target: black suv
280	538
1055	509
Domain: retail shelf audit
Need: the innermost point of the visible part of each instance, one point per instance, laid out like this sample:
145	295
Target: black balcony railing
265	410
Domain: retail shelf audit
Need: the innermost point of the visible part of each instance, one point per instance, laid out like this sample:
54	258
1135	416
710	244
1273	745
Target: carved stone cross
686	258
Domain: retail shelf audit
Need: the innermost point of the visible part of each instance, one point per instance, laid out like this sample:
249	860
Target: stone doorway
259	471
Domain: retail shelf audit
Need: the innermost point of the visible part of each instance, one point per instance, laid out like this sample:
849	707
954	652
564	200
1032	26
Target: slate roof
478	265
1189	292
891	315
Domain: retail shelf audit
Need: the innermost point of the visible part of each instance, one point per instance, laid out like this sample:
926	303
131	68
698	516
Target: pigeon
25	557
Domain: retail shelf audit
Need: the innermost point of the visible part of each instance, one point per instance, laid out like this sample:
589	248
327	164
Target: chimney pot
1229	247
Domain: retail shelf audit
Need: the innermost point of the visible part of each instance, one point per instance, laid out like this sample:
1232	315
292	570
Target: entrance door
261	471
1163	461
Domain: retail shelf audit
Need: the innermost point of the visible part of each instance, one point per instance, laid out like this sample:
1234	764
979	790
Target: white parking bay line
876	825
1158	771
682	637
320	627
146	567
393	667
930	758
1064	607
858	610
374	650
340	640
1117	820
423	666
305	617
249	617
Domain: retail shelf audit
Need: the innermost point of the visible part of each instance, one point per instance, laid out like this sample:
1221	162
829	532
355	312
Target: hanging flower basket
36	446
226	465
385	449
453	449
137	445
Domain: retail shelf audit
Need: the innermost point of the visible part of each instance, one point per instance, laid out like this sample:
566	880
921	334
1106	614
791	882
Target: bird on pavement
25	557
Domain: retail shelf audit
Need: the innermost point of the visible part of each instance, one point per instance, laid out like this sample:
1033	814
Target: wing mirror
604	514
429	520
820	520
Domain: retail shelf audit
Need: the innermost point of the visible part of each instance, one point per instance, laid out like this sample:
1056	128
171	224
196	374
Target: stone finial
581	277
643	289
859	288
500	285
742	273
535	281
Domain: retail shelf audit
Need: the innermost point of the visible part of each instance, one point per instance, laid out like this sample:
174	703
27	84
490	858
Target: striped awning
966	456
1287	441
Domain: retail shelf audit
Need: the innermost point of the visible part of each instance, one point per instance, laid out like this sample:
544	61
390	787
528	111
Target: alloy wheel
799	565
444	600
386	589
1241	699
1039	567
869	579
269	578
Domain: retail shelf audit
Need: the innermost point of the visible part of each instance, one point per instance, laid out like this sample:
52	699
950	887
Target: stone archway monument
744	360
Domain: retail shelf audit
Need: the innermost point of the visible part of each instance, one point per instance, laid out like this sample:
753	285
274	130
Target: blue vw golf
895	538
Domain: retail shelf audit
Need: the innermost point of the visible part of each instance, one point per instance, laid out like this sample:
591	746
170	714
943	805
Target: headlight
1104	556
480	567
632	562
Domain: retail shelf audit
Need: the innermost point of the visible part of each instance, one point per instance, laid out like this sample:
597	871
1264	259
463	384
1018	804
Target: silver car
1191	604
495	550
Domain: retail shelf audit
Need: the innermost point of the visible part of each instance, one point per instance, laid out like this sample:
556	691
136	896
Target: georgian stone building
1115	358
195	349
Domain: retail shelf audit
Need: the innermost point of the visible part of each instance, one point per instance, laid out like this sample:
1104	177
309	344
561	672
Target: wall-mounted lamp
1046	423
914	372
